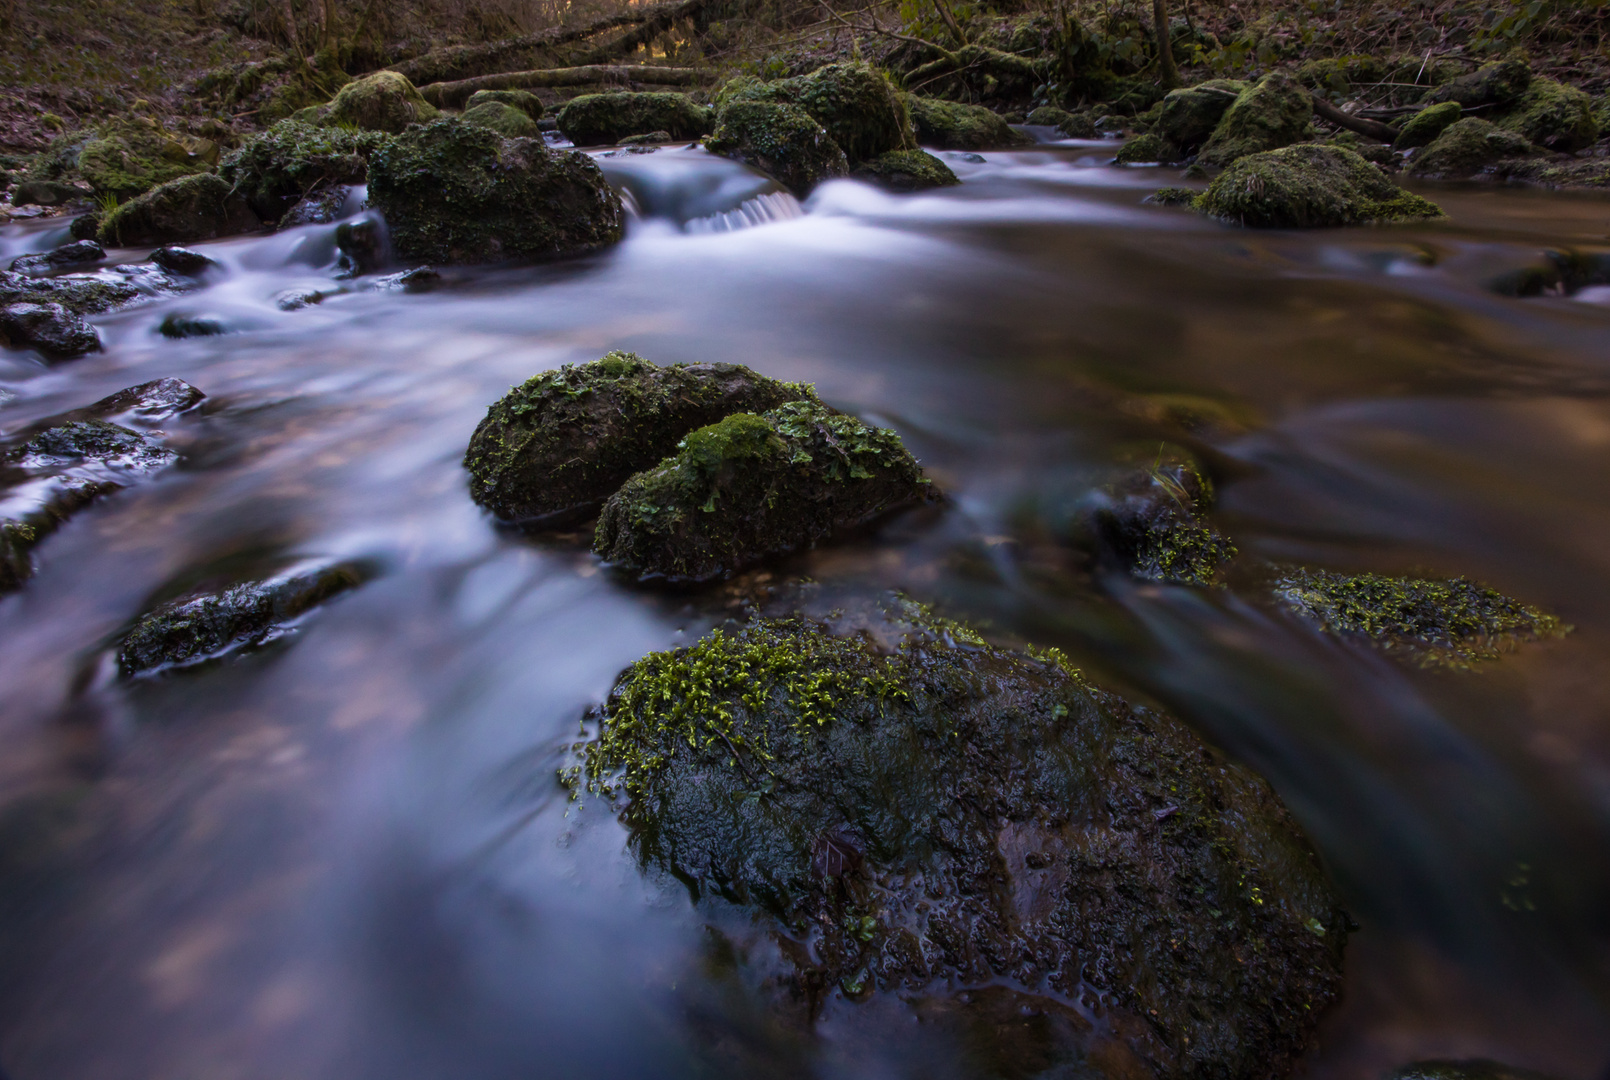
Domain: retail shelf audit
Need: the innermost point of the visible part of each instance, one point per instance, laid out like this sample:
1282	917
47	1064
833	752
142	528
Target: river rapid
347	854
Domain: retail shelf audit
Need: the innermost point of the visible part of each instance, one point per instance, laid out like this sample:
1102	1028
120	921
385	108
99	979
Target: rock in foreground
1309	186
753	486
560	443
945	812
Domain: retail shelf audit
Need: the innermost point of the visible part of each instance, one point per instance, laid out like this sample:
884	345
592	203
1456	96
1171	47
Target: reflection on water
345	854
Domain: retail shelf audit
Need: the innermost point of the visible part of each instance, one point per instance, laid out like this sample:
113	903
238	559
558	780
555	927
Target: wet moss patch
1310	186
783	141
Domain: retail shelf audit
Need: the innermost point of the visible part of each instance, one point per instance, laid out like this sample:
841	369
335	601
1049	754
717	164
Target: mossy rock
277	168
1434	623
381	101
1423	127
524	100
1172	196
865	115
932	812
783	141
204	626
506	120
906	170
602	119
1499	83
453	192
1309	186
754	486
1552	115
129	157
1339	74
1149	523
79	295
1467	147
948	125
1273	113
47	327
1478	1069
1148	149
560	443
1072	125
203	207
1189	115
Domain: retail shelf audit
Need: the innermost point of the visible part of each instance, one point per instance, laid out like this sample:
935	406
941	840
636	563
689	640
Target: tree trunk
453	95
1170	75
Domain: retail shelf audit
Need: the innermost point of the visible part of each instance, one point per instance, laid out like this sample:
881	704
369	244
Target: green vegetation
949	125
276	168
782	141
1310	186
200	207
1467	147
906	170
506	120
1273	113
1148	149
1424	126
601	119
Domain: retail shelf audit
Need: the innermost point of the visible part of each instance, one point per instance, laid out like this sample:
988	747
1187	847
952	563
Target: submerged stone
1309	186
1425	125
1149	523
524	100
1434	623
202	627
561	442
201	207
506	120
917	812
1467	147
49	328
949	125
906	170
753	486
780	140
452	192
47	262
278	168
148	402
600	119
1268	115
1189	115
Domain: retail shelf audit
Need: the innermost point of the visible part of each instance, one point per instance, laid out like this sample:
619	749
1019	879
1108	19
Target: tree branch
1373	129
452	95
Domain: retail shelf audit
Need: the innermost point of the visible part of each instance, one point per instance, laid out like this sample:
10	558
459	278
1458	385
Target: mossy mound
1467	147
600	119
783	141
1070	124
1307	187
1465	1070
129	157
1435	623
382	101
506	120
753	486
949	125
1552	115
1172	196
277	168
49	328
906	170
1188	116
931	812
1499	83
1339	74
1149	523
865	115
1148	149
201	627
1273	113
202	207
560	443
524	100
1423	127
454	192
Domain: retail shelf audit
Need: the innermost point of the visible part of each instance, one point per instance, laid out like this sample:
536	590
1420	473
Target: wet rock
277	168
1148	149
47	262
382	101
916	811
1309	186
1424	126
1467	147
417	280
753	486
906	170
362	245
202	627
1465	1070
1188	116
601	119
182	261
48	327
561	442
46	193
85	226
1499	83
1273	113
524	100
93	440
318	208
79	295
865	115
202	207
506	120
189	326
1172	196
1434	623
452	192
952	126
1149	523
1552	115
647	140
297	299
1071	125
782	141
149	402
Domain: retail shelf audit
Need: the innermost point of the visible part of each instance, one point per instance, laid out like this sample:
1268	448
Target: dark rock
1071	125
561	442
932	813
1188	116
201	207
46	193
1465	1070
782	141
453	192
1425	125
1273	113
48	327
189	326
952	126
906	170
202	627
1309	186
1172	196
79	295
318	208
147	403
47	262
93	440
524	100
178	260
129	155
865	115
297	299
1149	523
85	226
1148	149
1499	83
362	245
506	120
1467	147
418	280
753	486
276	168
601	119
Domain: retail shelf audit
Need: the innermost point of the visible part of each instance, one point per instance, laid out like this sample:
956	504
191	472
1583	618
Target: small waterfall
760	210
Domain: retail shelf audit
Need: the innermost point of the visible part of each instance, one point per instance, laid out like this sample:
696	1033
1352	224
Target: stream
347	854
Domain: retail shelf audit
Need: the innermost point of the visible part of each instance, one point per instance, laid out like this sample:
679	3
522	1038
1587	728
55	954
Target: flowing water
346	854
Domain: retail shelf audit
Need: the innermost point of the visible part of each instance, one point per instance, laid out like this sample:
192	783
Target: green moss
524	100
124	157
1150	523
506	120
1309	186
1148	149
865	115
782	141
1275	112
1424	126
906	170
382	101
753	486
600	119
1188	116
275	169
1071	125
1339	74
1552	115
1449	623
1499	83
17	540
1172	196
949	125
202	207
1466	147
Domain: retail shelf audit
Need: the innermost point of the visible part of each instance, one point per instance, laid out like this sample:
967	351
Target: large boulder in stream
1467	147
950	125
754	486
599	119
1188	116
861	110
453	192
279	167
906	170
1309	186
560	443
1272	113
782	141
201	207
917	813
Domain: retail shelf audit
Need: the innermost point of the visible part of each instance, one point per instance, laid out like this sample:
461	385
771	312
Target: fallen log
1371	129
453	95
976	56
663	16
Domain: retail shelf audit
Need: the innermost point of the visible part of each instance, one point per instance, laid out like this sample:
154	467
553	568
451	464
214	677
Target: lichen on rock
950	125
753	486
1272	113
783	141
601	119
906	170
1309	186
201	207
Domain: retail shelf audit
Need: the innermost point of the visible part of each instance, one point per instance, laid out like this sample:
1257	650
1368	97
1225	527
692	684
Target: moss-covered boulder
855	102
1552	115
1188	116
382	101
277	168
1150	523
202	207
1477	1069
934	813
906	170
1499	83
1434	623
506	120
1070	124
1148	149
1467	147
524	100
206	625
560	443
949	125
49	328
454	192
753	486
782	141
1309	186
1272	113
600	119
1424	126
130	156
